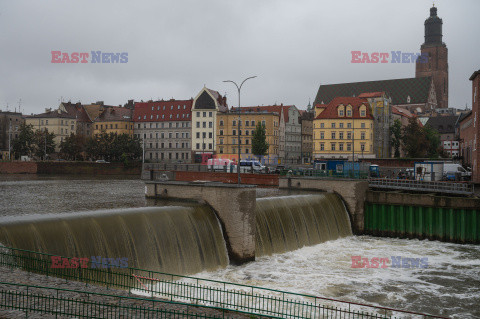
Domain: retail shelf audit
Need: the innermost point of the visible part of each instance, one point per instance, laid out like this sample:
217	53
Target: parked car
279	169
101	161
253	165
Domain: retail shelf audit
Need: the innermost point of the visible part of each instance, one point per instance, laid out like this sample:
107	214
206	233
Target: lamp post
239	112
9	140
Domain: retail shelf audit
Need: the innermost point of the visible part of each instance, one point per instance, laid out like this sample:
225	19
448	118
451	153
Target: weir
228	225
171	239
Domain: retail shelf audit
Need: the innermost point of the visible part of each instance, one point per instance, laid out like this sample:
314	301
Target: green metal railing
238	297
47	300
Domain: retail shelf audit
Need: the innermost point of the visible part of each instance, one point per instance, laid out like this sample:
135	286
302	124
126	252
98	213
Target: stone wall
18	168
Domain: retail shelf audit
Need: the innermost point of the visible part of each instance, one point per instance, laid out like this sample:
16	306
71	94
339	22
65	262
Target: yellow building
343	127
227	133
114	119
61	122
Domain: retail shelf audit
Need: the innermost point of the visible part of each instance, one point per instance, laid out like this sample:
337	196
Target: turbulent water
450	286
291	222
188	239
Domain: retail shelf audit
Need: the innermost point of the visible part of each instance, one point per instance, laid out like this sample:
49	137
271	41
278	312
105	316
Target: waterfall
291	222
171	239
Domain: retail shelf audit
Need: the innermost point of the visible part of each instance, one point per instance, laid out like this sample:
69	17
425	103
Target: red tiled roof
268	108
371	94
332	113
402	112
163	111
321	105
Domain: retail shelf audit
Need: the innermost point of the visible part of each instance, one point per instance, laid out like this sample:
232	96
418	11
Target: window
221	123
340	135
253	123
210	135
349	135
221	141
349	147
332	146
247	150
333	125
247	123
204	134
246	132
210	124
340	113
362	125
333	135
349	125
340	125
234	132
198	114
322	125
322	147
362	113
209	146
221	132
349	112
204	114
239	132
340	147
263	123
234	141
221	150
204	124
234	123
362	135
210	114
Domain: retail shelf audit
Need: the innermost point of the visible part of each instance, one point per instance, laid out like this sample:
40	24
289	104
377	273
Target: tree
413	139
113	147
44	144
434	149
259	140
73	146
24	143
396	134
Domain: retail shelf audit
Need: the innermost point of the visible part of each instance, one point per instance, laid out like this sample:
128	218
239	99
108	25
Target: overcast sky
176	47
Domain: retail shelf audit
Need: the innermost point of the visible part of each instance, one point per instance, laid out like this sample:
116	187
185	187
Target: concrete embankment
73	168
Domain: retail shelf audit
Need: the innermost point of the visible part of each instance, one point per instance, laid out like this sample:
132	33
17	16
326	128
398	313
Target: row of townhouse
189	130
86	120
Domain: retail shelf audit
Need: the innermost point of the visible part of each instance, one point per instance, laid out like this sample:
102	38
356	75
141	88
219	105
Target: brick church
424	93
437	52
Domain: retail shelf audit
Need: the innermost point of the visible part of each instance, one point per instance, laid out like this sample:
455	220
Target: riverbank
72	168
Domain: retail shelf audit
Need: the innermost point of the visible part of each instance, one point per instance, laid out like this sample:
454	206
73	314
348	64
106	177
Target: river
449	285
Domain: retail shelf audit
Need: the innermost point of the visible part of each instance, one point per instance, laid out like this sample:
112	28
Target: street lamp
239	112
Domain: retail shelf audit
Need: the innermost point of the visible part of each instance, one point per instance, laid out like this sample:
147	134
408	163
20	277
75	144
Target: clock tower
437	64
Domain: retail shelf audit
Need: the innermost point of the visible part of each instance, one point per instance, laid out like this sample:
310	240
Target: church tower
437	53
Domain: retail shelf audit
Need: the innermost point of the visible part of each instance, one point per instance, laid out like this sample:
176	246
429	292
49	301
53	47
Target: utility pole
239	113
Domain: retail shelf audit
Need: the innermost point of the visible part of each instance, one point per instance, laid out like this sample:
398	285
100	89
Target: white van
252	166
456	168
220	164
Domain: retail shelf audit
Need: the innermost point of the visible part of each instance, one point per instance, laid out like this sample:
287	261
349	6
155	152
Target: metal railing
460	188
55	301
213	293
324	174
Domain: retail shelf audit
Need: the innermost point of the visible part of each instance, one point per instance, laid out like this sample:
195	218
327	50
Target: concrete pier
233	204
